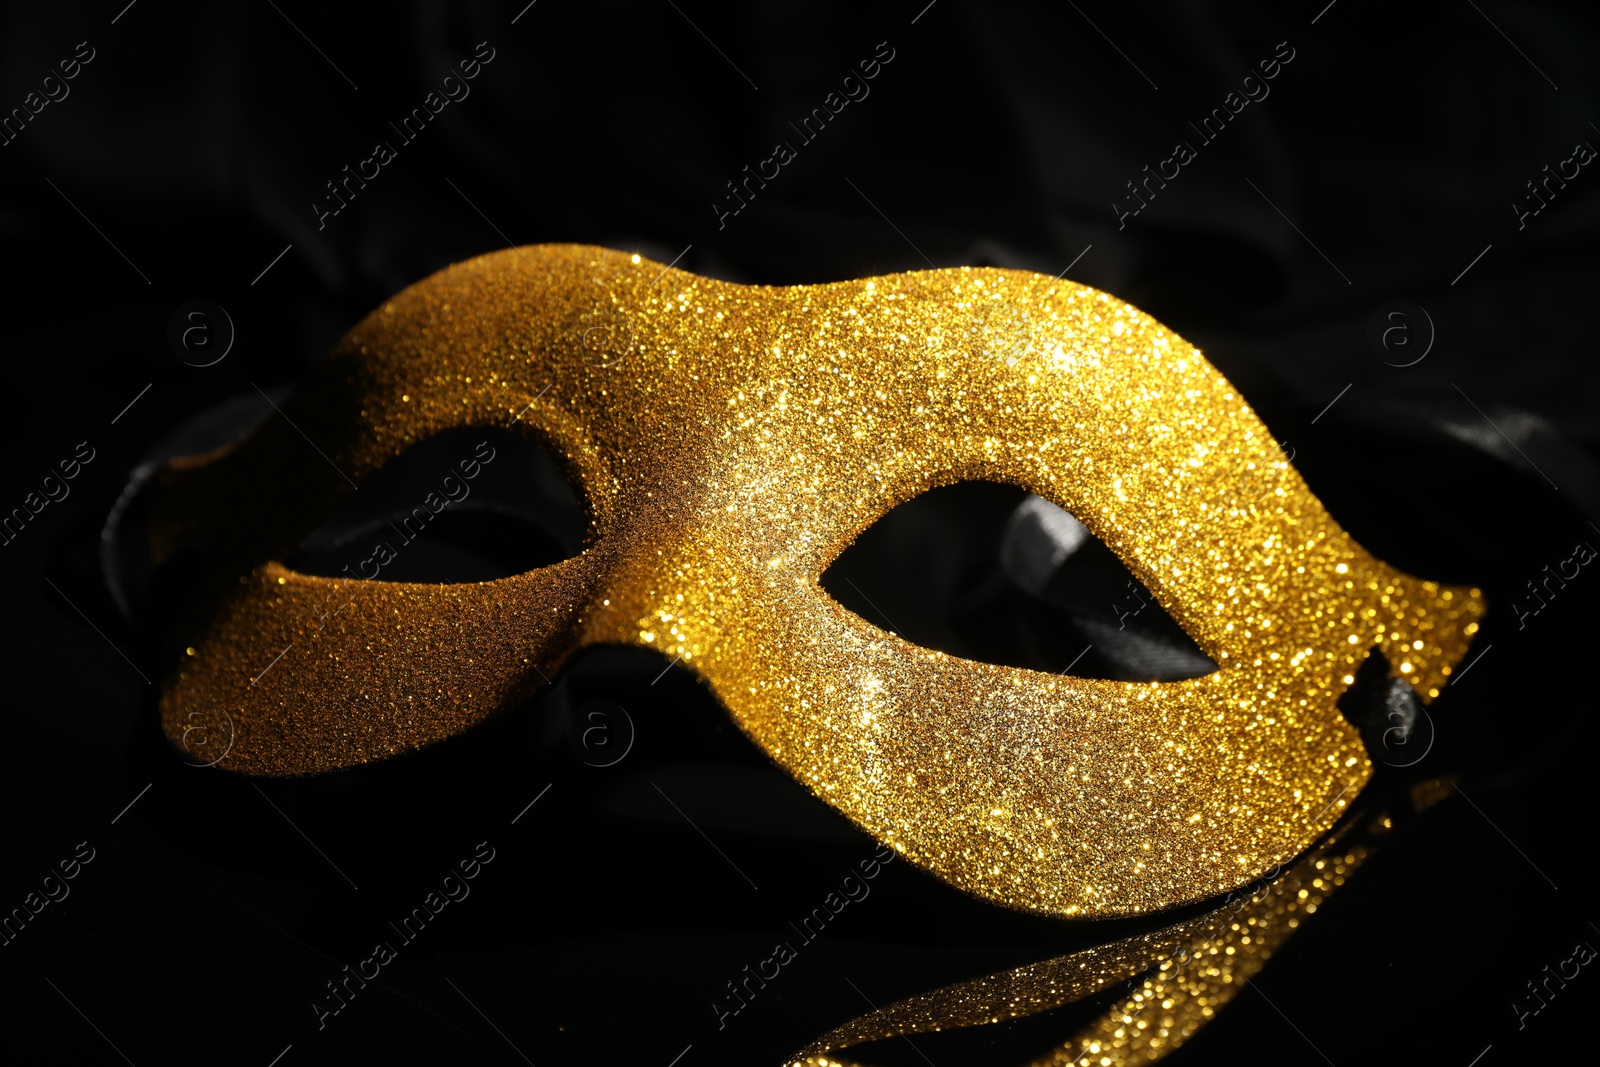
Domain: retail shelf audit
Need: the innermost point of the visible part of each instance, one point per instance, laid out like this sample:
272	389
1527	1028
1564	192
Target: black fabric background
1396	141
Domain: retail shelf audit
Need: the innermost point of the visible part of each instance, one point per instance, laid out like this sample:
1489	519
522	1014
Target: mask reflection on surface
1176	978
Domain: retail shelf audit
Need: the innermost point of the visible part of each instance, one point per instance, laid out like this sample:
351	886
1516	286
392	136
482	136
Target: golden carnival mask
731	441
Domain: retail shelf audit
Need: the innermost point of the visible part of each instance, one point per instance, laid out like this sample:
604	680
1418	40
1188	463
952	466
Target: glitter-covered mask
730	441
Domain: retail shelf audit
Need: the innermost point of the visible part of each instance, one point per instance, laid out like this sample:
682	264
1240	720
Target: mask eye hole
989	572
467	505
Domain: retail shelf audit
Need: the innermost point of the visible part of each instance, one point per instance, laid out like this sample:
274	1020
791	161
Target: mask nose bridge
666	578
673	573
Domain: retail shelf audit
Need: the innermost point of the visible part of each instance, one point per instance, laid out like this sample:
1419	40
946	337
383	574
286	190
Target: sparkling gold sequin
732	441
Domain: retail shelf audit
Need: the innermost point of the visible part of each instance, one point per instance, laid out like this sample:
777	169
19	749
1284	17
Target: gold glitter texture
731	441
